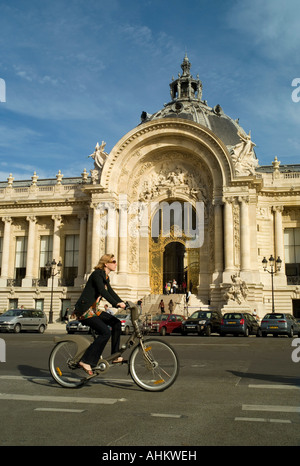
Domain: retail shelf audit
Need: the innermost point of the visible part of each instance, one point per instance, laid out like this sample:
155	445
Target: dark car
166	323
202	322
279	323
240	323
76	326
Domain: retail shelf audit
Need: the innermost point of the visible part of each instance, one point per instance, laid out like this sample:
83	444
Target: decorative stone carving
171	182
99	155
243	156
238	291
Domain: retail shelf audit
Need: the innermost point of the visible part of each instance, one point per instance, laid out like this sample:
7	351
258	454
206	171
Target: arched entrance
170	254
173	263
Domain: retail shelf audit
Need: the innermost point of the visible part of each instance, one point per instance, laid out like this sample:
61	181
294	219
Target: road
231	391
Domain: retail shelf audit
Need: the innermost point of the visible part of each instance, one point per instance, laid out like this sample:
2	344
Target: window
71	259
39	304
20	259
292	255
46	251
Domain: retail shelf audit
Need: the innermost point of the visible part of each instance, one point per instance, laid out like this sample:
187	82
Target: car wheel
291	333
208	331
246	333
41	329
259	333
17	328
163	331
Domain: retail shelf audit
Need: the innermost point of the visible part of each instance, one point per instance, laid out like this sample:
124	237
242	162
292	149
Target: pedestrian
88	312
174	286
171	306
161	306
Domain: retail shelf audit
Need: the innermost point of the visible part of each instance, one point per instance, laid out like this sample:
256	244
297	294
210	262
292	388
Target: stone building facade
181	196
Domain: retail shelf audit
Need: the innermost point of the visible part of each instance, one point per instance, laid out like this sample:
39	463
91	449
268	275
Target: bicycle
152	364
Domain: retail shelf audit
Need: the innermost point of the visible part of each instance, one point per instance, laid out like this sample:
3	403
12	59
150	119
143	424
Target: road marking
176	416
60	410
276	387
260	419
281	409
59	399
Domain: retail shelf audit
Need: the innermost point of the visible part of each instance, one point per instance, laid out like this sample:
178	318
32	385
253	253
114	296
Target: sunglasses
112	262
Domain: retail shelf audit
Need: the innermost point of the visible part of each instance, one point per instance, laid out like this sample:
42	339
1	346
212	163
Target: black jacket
97	285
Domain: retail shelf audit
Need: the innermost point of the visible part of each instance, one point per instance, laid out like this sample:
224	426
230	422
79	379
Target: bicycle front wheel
62	366
154	366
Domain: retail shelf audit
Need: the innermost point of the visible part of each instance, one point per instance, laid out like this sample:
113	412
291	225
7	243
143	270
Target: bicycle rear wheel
61	365
156	367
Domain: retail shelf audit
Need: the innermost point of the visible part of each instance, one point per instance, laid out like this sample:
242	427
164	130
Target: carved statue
99	155
178	178
243	155
238	291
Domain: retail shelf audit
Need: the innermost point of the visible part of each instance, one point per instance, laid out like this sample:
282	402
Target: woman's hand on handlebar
122	305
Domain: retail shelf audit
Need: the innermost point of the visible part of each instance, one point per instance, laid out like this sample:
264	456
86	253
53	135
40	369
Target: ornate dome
186	103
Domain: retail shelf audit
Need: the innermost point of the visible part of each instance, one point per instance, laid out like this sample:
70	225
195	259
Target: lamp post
275	267
51	268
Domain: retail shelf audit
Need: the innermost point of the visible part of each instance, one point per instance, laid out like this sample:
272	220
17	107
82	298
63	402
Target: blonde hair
103	260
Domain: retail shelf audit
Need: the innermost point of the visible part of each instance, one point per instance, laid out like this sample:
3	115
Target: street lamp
51	269
275	267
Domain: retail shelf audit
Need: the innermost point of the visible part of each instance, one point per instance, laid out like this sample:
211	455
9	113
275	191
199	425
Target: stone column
111	232
279	241
244	235
57	219
228	235
123	235
95	243
56	236
27	281
218	240
82	250
5	251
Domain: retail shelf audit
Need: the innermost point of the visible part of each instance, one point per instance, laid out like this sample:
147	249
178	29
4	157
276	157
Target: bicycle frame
150	372
83	342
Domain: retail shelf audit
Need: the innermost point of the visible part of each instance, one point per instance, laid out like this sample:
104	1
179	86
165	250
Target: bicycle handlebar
134	311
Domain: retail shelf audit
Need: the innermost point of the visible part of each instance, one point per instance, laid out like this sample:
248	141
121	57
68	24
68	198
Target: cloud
271	25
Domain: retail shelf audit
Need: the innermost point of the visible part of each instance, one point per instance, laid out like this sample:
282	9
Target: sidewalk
56	327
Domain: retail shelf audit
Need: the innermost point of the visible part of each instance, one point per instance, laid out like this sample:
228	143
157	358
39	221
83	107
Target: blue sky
82	71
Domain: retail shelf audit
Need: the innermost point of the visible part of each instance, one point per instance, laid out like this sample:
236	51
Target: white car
126	324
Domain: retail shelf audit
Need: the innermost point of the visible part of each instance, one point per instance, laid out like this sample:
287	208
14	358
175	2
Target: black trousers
100	325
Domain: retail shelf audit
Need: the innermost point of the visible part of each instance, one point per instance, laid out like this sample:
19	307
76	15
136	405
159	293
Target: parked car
166	323
240	323
126	324
76	326
202	322
17	320
280	324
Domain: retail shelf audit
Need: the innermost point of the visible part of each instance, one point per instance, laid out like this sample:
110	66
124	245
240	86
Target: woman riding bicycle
86	310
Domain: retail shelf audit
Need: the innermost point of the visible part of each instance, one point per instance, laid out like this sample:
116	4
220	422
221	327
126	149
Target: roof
187	103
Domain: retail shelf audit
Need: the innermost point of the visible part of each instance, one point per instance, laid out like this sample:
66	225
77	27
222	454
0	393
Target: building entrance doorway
173	264
296	308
